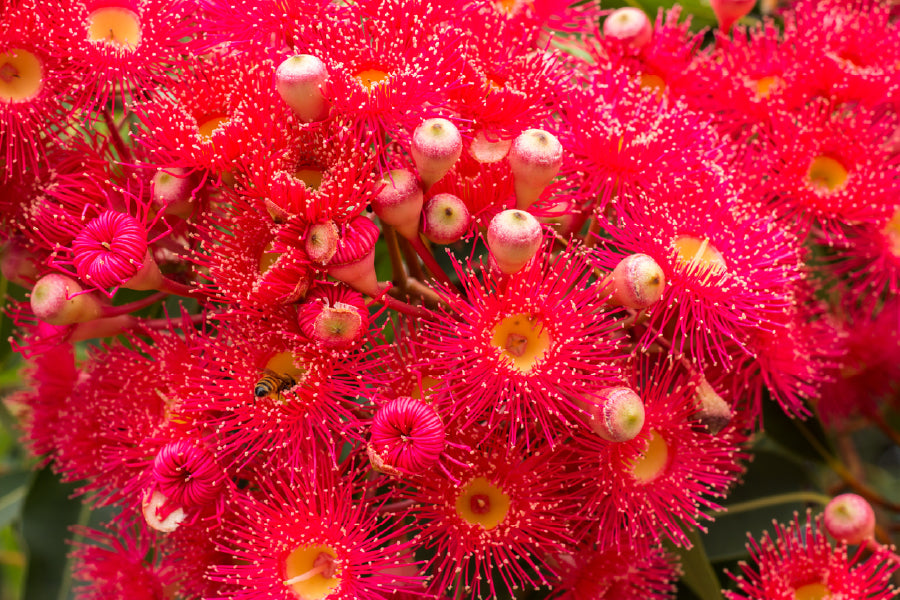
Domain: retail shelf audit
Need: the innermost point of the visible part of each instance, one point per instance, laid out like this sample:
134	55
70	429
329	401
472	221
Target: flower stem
116	137
811	497
398	271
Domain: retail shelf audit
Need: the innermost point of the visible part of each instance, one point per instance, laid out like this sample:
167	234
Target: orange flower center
482	503
115	26
21	75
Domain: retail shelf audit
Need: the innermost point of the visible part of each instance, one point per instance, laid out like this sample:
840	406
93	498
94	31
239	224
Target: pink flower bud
407	436
59	300
728	12
173	189
514	237
354	261
321	242
616	413
187	474
535	159
630	26
300	81
849	518
446	219
436	146
712	410
334	316
399	203
637	282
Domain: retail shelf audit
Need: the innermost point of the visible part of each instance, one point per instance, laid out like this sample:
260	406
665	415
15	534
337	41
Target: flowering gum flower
445	219
629	25
514	237
849	519
300	81
648	488
522	348
535	158
399	202
407	437
499	508
120	563
436	146
34	87
727	276
118	47
799	562
320	536
827	167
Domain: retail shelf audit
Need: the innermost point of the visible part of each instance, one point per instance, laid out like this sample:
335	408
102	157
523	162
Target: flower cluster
472	296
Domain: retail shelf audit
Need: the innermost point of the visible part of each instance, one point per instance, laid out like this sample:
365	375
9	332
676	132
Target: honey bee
272	383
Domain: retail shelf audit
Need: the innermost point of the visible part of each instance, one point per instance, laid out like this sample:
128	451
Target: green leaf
804	439
699	576
49	511
13	489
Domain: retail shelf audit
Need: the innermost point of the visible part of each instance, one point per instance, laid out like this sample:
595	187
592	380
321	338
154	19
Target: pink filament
110	249
408	434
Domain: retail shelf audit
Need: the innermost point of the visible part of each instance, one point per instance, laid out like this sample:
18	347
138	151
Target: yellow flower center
371	78
892	233
812	591
482	503
653	83
765	86
115	26
21	76
827	174
693	250
312	572
209	126
652	462
522	339
311	177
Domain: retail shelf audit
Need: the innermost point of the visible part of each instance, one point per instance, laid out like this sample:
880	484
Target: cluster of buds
400	302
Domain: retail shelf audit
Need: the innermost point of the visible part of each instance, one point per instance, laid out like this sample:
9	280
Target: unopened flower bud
446	219
535	159
399	203
487	148
712	410
628	25
300	81
354	261
110	250
728	12
514	237
172	188
849	518
616	413
436	146
59	300
321	242
637	282
17	263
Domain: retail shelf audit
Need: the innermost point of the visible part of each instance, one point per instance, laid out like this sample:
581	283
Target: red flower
800	562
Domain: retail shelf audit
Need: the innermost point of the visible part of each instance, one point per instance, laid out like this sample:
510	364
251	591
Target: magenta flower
800	562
